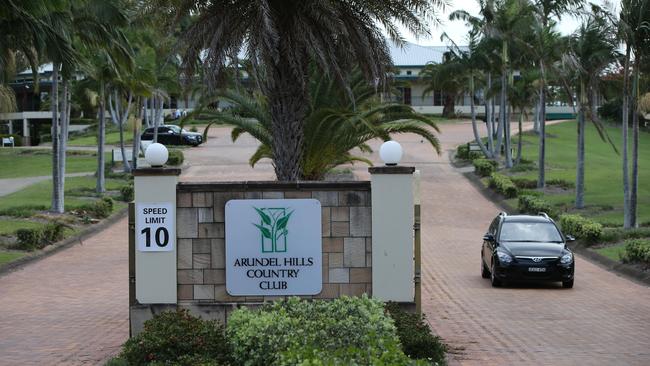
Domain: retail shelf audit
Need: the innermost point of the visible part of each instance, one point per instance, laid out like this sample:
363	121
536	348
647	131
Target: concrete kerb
625	270
56	247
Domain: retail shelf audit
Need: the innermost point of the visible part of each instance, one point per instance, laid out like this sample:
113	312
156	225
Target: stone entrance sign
273	247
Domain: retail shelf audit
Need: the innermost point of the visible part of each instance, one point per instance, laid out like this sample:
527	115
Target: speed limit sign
155	226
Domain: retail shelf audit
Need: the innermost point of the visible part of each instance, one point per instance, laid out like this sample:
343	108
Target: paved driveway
72	308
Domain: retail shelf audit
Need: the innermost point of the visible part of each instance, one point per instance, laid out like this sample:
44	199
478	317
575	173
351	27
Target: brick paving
603	320
70	308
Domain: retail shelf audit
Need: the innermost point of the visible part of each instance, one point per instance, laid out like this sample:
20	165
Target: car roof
526	218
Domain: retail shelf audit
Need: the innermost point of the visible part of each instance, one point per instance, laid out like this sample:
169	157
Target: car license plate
536	269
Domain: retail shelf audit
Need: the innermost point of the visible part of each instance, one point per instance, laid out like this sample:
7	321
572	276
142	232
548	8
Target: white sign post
155	226
273	247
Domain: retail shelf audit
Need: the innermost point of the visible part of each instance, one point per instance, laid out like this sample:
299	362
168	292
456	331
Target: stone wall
346	230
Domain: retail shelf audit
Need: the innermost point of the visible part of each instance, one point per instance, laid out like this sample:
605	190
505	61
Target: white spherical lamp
156	155
390	152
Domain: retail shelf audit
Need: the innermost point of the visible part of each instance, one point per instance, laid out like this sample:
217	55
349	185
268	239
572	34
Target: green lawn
19	163
38	196
603	170
8	227
6	257
612	252
112	138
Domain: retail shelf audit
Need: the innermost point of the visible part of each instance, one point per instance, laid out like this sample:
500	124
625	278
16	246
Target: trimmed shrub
54	231
176	338
348	330
176	157
582	228
415	335
611	235
636	251
523	166
562	183
103	207
533	205
484	167
463	153
30	239
127	193
503	185
524	183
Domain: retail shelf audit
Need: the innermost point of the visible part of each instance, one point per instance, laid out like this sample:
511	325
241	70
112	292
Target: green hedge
524	183
502	184
637	251
533	205
463	153
177	338
176	157
611	235
581	227
484	167
38	238
346	331
415	335
127	193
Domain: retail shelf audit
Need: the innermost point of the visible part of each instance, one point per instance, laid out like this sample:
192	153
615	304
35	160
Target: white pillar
392	233
155	271
26	141
11	127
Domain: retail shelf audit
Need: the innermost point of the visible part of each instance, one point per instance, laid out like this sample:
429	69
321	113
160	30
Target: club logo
273	228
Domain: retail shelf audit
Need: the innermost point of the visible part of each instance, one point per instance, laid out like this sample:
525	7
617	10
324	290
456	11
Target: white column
392	233
11	127
26	131
155	272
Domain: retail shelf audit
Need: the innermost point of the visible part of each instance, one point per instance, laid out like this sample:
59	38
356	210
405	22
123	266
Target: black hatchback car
526	248
173	135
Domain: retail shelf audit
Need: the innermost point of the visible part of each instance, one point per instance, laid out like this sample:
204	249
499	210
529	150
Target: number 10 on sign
155	226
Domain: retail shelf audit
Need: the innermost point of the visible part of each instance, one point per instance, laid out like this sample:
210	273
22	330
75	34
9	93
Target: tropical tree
634	30
546	48
450	77
336	126
592	49
282	38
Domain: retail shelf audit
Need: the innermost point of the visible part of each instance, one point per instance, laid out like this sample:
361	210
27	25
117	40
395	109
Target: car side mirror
570	238
488	237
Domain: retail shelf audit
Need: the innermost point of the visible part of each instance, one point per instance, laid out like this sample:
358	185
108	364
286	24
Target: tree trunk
635	142
536	117
136	144
519	139
489	116
627	219
477	137
63	140
495	152
54	104
155	119
580	163
508	137
502	117
288	110
450	106
541	178
101	181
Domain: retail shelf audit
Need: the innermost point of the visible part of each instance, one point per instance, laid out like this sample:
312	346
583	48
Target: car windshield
530	231
176	129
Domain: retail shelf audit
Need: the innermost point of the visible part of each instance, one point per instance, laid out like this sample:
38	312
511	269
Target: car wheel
567	284
495	281
485	273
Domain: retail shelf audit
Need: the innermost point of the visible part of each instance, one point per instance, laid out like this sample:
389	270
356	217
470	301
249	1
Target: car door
148	134
163	136
488	246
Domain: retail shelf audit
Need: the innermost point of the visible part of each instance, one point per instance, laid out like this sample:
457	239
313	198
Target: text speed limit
155	225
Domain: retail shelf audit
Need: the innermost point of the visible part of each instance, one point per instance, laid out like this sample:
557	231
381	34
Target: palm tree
546	9
334	127
634	29
593	48
282	38
450	77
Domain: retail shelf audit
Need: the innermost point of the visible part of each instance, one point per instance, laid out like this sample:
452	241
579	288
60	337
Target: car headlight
567	258
504	257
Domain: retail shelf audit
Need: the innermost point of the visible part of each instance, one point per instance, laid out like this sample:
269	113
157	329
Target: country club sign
273	247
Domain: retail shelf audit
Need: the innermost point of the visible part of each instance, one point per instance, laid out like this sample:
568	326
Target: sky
457	30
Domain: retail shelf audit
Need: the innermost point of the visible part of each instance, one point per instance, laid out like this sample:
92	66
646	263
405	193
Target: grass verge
21	163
